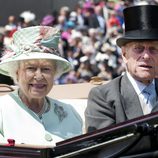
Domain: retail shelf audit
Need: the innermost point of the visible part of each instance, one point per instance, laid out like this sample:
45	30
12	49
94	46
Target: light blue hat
36	42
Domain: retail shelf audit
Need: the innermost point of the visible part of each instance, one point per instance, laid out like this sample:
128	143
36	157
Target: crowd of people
88	37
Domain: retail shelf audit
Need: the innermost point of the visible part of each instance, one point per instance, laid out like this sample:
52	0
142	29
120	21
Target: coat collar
130	99
156	87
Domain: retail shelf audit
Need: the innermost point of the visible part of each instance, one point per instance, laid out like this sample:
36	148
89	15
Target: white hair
13	70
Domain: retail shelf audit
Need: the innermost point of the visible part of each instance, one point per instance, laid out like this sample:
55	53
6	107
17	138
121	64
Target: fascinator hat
140	24
36	42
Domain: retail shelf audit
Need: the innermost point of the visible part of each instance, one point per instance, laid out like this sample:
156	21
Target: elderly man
135	93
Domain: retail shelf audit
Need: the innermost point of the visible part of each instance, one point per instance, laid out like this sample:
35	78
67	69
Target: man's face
141	59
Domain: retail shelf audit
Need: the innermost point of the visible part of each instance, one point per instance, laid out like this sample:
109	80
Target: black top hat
140	24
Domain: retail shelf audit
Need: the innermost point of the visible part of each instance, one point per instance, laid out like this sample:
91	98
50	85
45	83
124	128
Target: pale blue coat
21	124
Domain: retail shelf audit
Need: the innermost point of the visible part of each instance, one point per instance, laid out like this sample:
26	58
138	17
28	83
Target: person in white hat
28	115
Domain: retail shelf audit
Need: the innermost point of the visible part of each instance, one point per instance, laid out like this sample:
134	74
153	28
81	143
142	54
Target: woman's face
35	78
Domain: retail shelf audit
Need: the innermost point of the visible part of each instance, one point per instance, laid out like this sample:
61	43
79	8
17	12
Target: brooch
59	110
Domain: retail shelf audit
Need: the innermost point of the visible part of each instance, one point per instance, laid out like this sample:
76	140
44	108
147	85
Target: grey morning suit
113	103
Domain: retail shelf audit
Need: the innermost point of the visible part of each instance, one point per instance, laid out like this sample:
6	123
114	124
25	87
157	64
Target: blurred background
89	29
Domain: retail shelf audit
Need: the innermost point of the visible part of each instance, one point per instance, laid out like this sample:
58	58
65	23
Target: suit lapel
130	100
156	87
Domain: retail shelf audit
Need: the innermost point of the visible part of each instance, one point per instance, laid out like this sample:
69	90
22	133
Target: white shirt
139	87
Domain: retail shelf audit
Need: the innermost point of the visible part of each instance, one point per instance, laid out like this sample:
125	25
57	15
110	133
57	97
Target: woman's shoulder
5	97
64	108
59	103
6	101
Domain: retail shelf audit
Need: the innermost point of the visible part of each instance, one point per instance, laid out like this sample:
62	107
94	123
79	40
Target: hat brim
62	64
122	41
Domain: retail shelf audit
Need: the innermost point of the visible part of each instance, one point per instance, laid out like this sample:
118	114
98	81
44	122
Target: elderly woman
27	115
